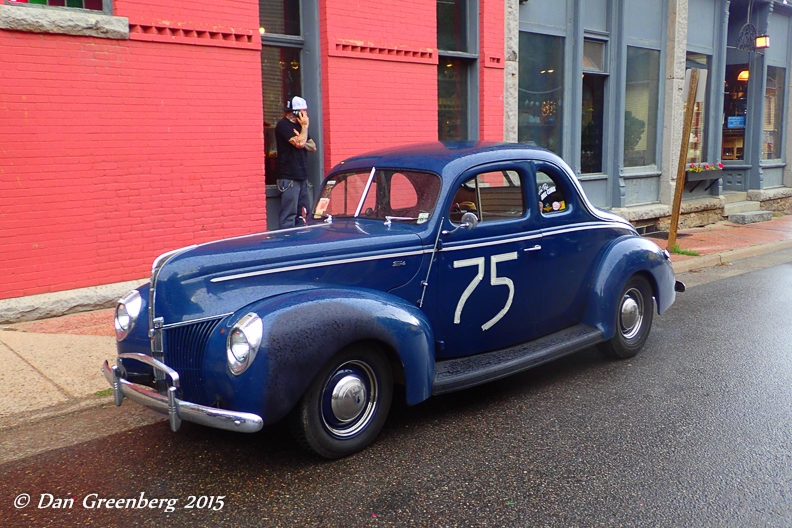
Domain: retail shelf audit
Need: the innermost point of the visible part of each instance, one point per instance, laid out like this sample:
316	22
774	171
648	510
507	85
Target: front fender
304	330
625	257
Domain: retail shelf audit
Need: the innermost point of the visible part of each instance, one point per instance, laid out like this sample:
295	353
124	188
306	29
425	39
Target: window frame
480	211
657	147
779	116
471	58
707	134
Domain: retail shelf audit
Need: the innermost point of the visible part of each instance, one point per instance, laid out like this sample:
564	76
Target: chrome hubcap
631	315
348	399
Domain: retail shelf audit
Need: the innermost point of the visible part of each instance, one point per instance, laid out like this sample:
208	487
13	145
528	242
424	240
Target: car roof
437	156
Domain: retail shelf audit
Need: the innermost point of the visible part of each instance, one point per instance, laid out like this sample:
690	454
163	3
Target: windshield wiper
388	219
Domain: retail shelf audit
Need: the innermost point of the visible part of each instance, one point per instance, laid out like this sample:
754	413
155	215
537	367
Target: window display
541	90
735	107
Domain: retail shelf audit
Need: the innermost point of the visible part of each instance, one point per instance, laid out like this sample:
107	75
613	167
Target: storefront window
452	99
593	106
541	93
280	69
279	17
452	25
734	111
640	107
455	67
593	111
773	113
697	148
280	80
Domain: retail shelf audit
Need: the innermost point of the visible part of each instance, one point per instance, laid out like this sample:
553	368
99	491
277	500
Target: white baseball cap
297	103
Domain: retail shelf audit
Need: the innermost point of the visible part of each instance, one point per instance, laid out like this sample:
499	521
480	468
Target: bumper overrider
176	409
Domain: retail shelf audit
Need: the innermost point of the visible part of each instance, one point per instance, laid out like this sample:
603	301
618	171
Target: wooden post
680	181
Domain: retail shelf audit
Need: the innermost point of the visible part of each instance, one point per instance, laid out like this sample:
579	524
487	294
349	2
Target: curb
48	305
717	259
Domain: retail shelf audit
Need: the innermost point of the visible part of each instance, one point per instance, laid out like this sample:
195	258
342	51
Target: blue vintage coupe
436	266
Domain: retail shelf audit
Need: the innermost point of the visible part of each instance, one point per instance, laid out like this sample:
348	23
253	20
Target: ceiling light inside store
743	76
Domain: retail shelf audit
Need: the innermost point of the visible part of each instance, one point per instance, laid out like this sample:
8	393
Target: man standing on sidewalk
294	143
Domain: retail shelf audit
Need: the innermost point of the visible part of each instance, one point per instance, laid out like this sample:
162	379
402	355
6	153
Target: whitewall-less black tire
634	314
346	405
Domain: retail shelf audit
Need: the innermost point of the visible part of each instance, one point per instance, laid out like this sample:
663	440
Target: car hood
221	277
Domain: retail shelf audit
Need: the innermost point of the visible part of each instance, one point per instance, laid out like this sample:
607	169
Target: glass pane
551	196
280	80
491	196
280	17
697	147
640	105
774	113
734	111
452	25
541	92
403	194
594	55
593	113
452	99
407	197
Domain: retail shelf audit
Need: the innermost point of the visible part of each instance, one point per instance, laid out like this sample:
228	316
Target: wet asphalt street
694	431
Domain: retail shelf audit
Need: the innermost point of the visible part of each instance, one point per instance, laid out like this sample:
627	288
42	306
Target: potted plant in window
704	171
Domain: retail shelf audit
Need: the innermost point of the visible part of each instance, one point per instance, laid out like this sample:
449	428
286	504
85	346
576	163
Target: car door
486	275
571	242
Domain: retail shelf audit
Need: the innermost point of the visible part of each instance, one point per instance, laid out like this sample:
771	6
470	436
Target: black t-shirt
292	161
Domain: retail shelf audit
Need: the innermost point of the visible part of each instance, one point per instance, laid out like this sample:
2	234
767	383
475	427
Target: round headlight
243	343
127	312
239	346
123	318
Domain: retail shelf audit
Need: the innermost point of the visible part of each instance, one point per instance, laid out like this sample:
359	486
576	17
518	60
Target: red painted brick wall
112	152
379	75
491	69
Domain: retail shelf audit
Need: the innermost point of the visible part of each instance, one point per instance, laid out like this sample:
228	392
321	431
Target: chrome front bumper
176	409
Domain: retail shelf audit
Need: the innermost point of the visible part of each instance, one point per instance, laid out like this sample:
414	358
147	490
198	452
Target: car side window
491	196
551	195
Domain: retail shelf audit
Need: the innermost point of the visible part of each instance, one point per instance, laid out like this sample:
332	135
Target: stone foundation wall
689	220
703	212
775	203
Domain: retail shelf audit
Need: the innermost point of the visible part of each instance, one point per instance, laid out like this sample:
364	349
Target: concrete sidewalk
51	367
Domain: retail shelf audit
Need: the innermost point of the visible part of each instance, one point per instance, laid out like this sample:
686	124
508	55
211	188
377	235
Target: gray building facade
601	82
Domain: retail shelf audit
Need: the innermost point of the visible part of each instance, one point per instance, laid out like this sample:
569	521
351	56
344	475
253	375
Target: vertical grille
184	352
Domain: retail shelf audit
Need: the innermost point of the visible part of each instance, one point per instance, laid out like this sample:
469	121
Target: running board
461	373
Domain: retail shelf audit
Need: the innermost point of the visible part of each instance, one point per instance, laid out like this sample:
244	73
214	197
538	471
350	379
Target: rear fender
625	257
304	330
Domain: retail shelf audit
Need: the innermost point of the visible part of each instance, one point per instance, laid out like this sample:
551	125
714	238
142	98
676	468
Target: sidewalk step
740	207
734	196
751	217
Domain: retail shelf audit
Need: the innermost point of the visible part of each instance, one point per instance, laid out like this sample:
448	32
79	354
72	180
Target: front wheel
633	319
345	407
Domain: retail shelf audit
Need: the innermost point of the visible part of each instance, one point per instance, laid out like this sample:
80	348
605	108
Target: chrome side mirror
469	221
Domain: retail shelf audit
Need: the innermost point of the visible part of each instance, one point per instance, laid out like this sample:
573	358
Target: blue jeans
295	196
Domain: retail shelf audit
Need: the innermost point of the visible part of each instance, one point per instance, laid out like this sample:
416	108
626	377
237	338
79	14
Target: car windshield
380	194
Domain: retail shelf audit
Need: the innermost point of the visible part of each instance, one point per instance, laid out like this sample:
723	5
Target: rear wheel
345	407
633	319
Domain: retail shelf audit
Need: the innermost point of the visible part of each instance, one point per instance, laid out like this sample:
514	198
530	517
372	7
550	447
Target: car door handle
537	247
